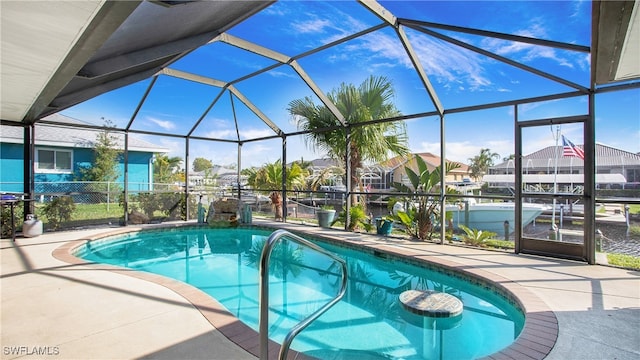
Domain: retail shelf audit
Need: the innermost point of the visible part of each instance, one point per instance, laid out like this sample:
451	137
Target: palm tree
481	163
371	143
269	177
165	168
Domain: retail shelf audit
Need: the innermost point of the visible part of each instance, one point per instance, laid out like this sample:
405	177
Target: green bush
6	220
59	210
476	237
358	219
170	205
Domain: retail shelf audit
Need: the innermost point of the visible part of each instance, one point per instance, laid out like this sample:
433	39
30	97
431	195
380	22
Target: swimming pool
368	323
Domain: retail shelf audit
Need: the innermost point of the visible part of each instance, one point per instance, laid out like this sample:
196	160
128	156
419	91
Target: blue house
60	153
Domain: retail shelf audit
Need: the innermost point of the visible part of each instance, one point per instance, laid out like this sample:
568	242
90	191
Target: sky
459	76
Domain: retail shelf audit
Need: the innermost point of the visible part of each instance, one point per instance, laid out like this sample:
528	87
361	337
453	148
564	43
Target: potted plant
325	215
384	226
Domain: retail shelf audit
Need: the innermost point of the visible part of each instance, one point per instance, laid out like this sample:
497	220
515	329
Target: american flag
569	149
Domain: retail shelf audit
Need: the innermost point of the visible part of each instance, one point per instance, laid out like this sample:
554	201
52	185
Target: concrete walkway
55	310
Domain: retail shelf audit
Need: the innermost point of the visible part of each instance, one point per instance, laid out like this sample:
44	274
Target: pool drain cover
431	303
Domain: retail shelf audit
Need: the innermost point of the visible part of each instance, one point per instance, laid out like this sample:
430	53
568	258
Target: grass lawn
625	261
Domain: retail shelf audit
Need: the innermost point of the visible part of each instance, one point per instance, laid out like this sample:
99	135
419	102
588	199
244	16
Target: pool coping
536	340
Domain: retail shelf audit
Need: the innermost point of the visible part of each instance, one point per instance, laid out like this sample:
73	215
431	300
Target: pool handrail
264	293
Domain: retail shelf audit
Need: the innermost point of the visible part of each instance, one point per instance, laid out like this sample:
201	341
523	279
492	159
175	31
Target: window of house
54	161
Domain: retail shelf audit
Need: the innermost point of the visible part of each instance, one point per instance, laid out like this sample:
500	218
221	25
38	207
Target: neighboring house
216	176
394	169
614	169
382	176
330	170
60	153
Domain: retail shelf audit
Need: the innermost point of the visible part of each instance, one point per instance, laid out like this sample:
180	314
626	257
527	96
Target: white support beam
418	66
255	110
316	90
380	12
192	77
254	48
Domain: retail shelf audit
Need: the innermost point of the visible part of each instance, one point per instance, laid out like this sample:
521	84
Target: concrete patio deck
54	309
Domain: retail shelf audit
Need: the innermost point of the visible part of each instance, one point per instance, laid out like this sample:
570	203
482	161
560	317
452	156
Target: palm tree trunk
424	229
356	163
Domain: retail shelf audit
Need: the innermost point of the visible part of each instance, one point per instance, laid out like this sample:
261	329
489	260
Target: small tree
480	164
104	168
106	155
201	164
166	169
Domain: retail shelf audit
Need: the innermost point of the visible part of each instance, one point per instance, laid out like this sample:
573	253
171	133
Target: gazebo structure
58	55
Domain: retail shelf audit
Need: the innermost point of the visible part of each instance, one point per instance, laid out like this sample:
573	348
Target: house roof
431	160
73	137
215	170
324	163
606	156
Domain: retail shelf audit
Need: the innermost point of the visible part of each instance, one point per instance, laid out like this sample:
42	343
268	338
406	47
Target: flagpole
555	182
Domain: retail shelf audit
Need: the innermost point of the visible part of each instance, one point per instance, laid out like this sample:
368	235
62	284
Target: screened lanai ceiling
226	70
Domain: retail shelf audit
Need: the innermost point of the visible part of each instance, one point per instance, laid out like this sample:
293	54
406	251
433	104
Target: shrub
171	205
59	210
476	237
358	219
6	219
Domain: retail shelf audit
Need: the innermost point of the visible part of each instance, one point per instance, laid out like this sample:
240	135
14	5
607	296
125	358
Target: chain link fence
101	203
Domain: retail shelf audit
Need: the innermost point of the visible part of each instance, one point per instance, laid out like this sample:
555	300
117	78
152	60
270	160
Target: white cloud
281	74
256	133
450	64
311	26
221	134
527	53
175	147
165	124
442	62
248	133
332	21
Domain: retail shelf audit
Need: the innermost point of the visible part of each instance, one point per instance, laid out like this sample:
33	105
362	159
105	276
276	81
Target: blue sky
459	76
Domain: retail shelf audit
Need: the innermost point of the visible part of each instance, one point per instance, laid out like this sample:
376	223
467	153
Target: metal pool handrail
264	294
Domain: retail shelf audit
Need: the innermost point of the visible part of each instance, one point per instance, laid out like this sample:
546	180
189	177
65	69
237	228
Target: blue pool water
368	323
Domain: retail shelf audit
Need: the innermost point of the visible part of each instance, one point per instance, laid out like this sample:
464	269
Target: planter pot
383	226
325	217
